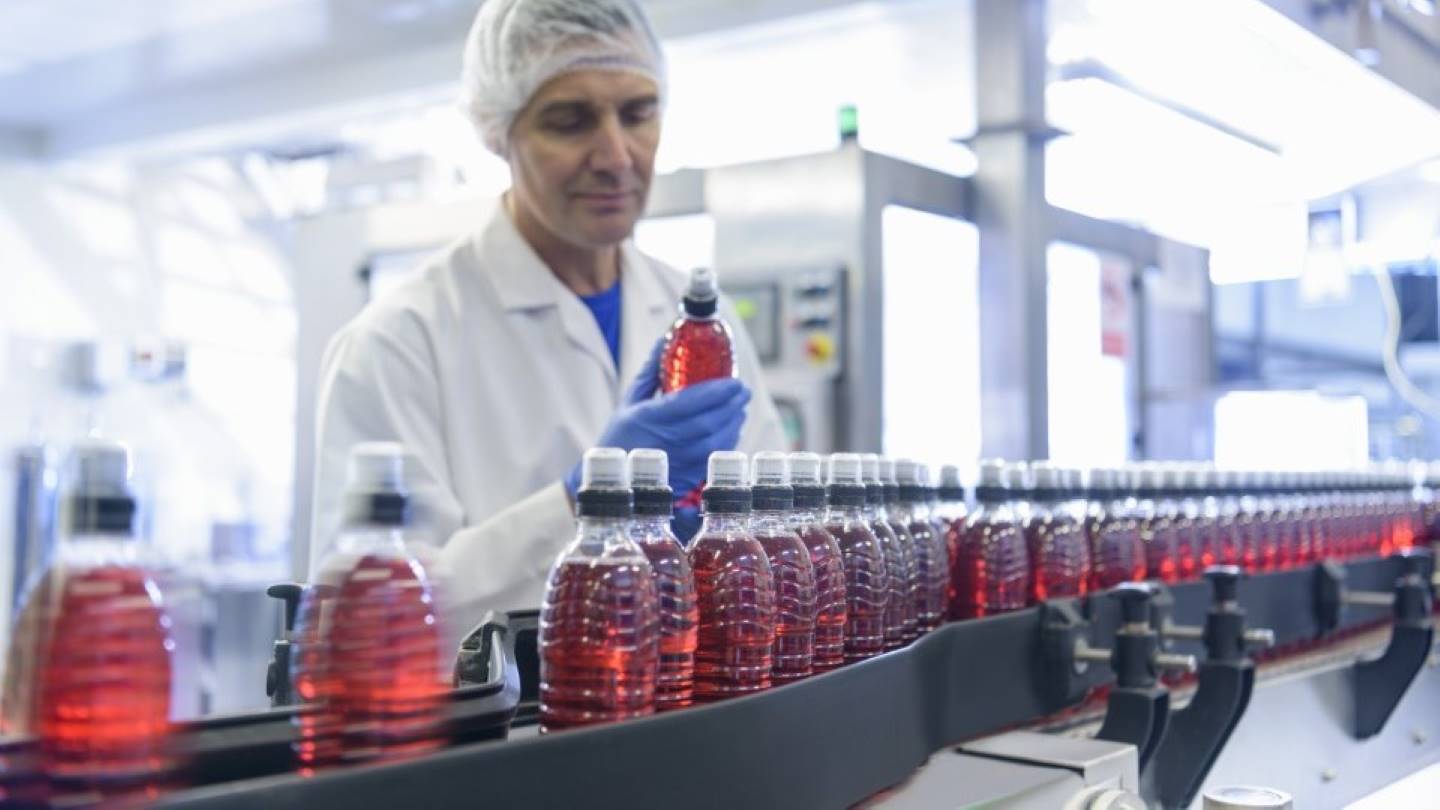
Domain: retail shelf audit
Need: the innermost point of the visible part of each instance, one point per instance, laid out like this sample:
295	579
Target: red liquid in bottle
913	586
1118	553
599	643
830	607
1059	554
932	569
368	660
679	618
735	592
794	575
992	568
696	350
897	601
99	701
867	583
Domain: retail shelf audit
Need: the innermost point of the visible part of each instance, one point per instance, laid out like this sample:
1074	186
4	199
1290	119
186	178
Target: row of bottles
787	577
89	670
1038	531
801	566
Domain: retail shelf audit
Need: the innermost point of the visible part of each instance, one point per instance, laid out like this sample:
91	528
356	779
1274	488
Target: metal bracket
277	674
1063	630
1139	709
1226	682
1381	682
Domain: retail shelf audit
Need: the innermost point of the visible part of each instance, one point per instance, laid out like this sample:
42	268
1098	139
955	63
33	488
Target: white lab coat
496	378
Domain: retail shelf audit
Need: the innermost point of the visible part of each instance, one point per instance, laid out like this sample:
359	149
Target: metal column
1011	214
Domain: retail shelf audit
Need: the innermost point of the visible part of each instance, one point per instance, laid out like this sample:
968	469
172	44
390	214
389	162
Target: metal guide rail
831	740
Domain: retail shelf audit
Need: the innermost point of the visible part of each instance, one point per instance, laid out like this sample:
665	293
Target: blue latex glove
685	523
688	425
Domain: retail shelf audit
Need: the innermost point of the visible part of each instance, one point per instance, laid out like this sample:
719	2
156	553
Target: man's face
582	154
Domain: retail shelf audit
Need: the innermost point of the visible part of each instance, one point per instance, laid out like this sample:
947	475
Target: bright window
1088	408
932	337
1302	430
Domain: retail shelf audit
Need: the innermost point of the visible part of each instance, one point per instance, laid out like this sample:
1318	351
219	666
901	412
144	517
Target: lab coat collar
522	280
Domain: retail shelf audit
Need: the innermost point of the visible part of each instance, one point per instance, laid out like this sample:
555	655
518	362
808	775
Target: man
508	357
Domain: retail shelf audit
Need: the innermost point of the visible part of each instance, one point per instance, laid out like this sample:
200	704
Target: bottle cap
1150	477
1047	476
950	477
375	490
885	468
727	468
909	472
870	468
1101	479
771	469
702	293
846	469
99	499
604	468
650	482
992	473
101	468
649	468
1016	475
805	469
376	467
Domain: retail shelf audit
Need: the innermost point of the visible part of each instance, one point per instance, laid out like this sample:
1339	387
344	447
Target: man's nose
611	149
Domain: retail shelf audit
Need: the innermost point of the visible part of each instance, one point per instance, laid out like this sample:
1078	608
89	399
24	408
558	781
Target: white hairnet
516	46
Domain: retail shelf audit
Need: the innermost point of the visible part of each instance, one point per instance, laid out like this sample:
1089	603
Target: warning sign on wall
1114	306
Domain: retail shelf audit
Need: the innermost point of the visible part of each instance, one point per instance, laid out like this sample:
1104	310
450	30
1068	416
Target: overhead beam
304	86
1407	58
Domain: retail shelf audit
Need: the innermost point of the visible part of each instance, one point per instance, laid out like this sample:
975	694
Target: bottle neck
649	526
845	513
727	522
92	548
769	521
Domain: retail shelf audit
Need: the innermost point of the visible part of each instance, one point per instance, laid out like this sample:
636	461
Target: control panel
796	318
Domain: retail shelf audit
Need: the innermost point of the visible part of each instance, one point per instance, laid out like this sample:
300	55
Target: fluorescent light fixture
1333	123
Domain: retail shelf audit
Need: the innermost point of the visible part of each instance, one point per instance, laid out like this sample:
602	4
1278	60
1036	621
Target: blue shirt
605	306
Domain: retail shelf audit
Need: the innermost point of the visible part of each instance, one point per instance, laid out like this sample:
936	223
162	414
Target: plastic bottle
674	582
699	345
1059	552
1117	554
907	547
992	567
932	562
368	657
1155	517
807	521
89	666
1185	483
949	514
790	565
867	579
735	589
898	603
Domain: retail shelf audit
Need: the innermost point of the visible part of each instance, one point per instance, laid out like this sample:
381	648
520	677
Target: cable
1408	391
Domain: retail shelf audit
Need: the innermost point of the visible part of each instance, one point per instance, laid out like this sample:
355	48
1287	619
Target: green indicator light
849	119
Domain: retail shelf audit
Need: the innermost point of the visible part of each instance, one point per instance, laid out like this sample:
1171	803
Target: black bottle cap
654	501
604	503
772	498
